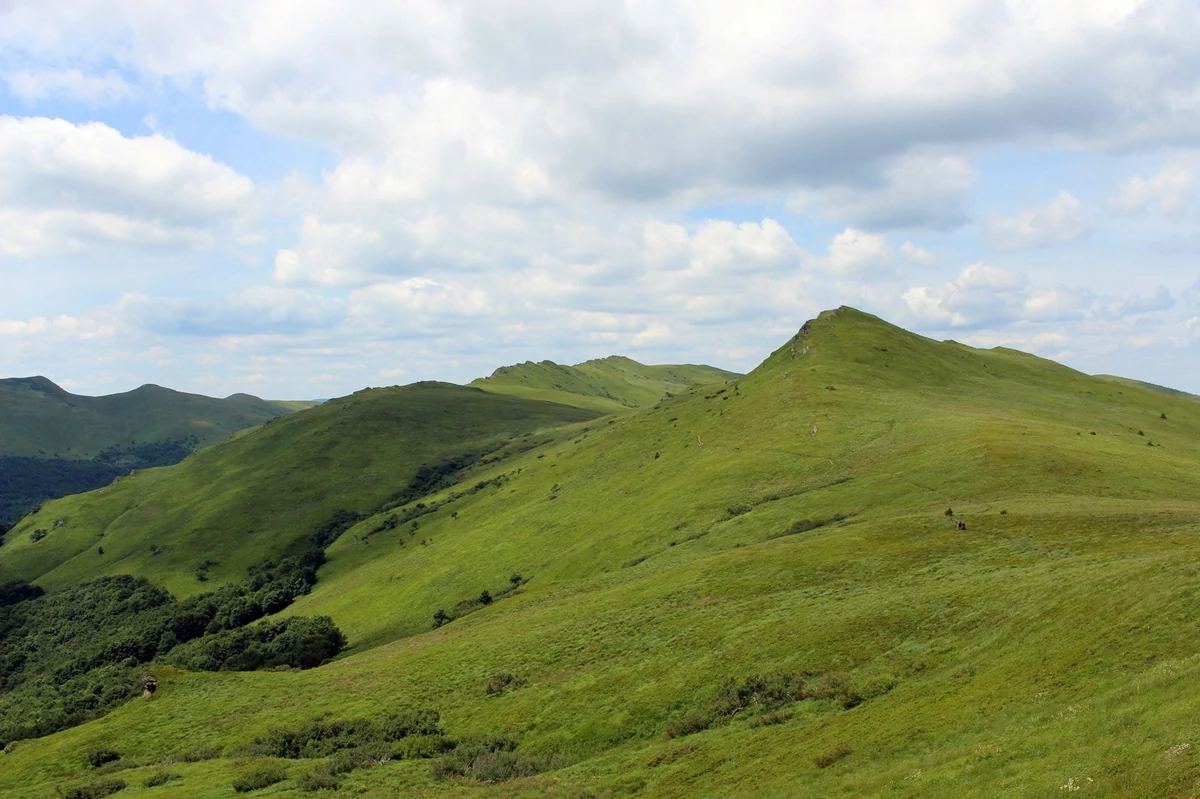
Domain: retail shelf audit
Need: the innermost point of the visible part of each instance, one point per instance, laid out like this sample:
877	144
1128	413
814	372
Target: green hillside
39	419
254	497
753	588
1125	381
605	384
54	443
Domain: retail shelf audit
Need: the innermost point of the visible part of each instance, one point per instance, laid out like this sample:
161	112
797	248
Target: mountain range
877	564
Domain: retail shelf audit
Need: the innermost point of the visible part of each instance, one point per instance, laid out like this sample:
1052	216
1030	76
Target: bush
259	776
769	719
299	641
160	778
422	747
318	781
838	687
96	790
491	759
499	683
37	535
97	756
423	721
761	694
365	737
832	756
692	722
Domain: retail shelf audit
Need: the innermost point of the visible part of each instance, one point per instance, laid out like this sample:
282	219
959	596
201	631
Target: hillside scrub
69	656
759	694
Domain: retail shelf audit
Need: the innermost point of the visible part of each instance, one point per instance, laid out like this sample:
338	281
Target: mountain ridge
652	573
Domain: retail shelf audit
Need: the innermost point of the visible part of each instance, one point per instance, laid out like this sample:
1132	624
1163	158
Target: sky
300	199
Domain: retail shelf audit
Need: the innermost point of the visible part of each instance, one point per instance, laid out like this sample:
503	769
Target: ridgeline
876	565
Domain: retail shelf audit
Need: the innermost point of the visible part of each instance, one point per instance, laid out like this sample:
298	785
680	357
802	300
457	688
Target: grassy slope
41	419
1055	641
1126	381
605	384
248	499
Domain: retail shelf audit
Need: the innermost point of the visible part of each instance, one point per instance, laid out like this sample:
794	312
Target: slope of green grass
605	384
253	497
794	520
1125	381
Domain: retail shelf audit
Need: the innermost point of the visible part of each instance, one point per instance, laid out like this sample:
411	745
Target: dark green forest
72	655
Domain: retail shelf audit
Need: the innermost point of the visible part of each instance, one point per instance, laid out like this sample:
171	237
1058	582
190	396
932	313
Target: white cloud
1135	304
254	311
917	255
984	295
910	191
69	84
1061	220
68	186
1171	188
858	254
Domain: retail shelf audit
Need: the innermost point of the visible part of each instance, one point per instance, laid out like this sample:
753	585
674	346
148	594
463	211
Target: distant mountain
53	442
606	384
41	419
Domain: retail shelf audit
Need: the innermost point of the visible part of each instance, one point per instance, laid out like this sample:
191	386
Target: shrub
260	776
97	756
768	719
694	721
423	721
347	760
96	790
838	687
835	754
318	781
160	778
37	535
492	760
422	747
761	693
499	683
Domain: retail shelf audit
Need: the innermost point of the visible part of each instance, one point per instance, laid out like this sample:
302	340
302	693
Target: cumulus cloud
68	84
69	185
1060	220
257	310
645	100
909	191
917	255
1135	304
986	295
1171	188
856	253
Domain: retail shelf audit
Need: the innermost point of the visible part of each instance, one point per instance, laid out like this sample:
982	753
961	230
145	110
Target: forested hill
54	443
